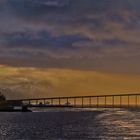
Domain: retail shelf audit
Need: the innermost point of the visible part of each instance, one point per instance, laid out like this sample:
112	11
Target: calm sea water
70	125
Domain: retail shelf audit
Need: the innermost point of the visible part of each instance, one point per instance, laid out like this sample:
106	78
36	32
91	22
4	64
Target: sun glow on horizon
51	82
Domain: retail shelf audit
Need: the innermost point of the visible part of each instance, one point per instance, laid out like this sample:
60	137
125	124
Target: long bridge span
96	101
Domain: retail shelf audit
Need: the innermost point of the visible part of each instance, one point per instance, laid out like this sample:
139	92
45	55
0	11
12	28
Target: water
70	125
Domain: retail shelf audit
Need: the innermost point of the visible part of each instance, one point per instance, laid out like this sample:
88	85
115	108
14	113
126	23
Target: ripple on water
104	125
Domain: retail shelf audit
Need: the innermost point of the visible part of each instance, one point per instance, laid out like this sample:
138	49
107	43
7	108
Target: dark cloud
70	11
69	33
41	39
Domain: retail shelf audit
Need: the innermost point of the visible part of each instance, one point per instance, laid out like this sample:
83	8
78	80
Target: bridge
96	101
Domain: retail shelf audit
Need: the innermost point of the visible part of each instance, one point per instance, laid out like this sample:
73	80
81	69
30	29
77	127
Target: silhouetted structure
11	105
2	97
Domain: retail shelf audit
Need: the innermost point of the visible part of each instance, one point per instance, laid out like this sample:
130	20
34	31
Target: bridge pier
136	100
36	102
112	101
59	101
44	102
97	101
120	101
67	101
90	104
128	101
51	101
105	101
29	102
82	102
74	102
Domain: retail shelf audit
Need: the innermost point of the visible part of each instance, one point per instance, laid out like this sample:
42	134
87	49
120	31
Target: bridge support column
36	102
59	101
67	101
120	101
29	102
74	102
105	101
136	100
51	101
82	102
89	101
113	101
128	101
97	101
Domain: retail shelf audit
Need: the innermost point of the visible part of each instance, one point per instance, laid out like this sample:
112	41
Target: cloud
88	34
94	36
41	39
70	12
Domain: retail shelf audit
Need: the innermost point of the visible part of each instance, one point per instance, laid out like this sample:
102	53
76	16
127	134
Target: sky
69	37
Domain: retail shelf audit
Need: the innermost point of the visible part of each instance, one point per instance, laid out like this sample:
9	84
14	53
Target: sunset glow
36	82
